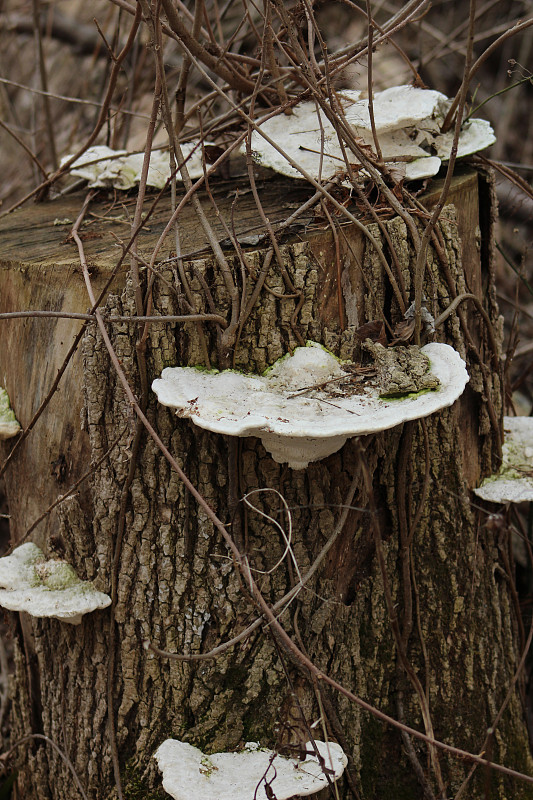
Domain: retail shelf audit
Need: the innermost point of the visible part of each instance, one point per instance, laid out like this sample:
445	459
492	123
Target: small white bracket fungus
407	121
9	425
305	406
115	169
514	482
188	773
28	582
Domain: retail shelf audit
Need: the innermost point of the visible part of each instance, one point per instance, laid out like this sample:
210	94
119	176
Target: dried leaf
403	331
374	330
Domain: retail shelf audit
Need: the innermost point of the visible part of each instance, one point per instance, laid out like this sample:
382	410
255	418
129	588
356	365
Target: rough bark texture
177	585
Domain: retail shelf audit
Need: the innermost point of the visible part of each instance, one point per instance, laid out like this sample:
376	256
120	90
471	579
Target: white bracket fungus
188	773
103	167
307	405
407	121
28	582
514	482
9	425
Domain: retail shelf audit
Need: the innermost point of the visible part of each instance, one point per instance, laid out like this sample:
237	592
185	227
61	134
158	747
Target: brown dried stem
520	26
420	266
44	83
213	59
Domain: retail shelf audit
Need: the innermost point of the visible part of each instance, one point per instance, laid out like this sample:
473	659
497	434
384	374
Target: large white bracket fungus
407	121
188	773
9	425
103	167
28	582
514	482
305	406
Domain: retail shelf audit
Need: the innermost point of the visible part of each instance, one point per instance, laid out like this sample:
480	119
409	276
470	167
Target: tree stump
447	572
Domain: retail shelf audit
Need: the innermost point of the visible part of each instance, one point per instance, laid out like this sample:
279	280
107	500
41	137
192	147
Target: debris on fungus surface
9	425
103	167
401	370
306	405
188	773
514	482
407	121
28	582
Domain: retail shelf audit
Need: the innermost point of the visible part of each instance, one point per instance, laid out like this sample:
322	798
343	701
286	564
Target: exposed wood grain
37	234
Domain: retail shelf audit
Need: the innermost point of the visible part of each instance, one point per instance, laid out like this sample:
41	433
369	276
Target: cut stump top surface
38	233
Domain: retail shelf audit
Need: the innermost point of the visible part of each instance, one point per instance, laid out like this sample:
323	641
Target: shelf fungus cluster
9	425
514	481
28	582
103	167
306	405
407	123
253	774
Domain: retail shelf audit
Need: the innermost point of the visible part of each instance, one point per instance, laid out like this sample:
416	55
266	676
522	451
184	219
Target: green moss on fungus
407	396
57	575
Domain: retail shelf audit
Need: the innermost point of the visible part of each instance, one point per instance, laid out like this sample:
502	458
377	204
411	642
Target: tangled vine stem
115	318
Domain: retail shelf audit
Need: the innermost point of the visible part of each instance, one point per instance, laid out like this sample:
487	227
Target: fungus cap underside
292	409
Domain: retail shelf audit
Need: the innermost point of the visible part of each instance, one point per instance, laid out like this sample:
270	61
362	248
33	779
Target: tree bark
447	572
